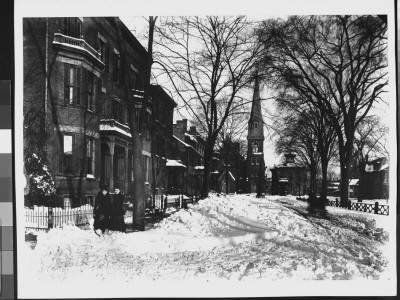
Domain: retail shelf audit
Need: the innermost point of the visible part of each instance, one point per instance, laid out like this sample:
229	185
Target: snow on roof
199	167
191	137
182	142
114	128
353	181
174	163
283	180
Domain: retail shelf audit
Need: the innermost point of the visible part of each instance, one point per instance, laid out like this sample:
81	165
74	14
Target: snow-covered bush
42	190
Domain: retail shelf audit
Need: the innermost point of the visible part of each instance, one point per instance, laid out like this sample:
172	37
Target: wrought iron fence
375	208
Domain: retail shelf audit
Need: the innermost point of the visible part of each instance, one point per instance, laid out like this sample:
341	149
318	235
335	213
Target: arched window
256	147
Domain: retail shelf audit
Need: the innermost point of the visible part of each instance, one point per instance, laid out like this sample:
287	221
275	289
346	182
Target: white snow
238	244
174	163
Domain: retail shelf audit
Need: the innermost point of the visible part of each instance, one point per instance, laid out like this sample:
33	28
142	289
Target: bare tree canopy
210	62
337	63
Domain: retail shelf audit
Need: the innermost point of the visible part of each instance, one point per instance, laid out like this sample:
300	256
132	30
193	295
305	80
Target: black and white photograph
230	149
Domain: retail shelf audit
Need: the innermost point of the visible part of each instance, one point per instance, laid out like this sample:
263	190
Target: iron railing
375	208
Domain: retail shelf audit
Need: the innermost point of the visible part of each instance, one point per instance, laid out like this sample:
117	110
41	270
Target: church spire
256	124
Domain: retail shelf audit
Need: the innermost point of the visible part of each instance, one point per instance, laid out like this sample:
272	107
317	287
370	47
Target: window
134	77
256	147
104	53
91	84
102	101
117	67
118	112
255	125
65	163
90	156
145	167
72	27
72	89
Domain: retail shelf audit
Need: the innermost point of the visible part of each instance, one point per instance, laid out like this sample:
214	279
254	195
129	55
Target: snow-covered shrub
42	190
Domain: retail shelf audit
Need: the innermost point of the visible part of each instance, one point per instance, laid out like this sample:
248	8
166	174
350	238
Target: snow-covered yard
234	245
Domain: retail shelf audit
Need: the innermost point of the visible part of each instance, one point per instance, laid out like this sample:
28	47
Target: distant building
289	178
375	179
232	169
186	168
255	165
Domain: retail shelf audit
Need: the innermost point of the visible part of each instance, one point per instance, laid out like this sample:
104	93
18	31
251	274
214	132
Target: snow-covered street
221	240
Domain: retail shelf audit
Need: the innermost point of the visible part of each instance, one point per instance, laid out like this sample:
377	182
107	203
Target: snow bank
233	238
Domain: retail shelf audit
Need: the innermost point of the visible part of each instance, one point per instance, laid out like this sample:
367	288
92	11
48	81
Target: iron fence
375	208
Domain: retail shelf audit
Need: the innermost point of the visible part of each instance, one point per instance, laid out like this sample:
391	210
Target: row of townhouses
75	113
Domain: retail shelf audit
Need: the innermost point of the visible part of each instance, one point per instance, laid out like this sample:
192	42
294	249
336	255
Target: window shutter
85	88
78	85
66	84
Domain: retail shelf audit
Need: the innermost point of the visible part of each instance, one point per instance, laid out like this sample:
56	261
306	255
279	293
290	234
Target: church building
255	165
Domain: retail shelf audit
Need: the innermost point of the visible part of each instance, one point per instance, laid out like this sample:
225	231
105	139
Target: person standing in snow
117	211
102	210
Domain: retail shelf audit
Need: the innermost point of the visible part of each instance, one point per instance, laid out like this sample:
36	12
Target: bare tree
338	63
295	134
137	123
306	129
208	60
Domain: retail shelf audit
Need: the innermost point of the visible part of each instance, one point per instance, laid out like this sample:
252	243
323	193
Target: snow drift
221	239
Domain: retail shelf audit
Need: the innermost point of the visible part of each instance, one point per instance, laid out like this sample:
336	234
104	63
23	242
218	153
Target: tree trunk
208	151
313	189
344	185
345	158
138	216
324	183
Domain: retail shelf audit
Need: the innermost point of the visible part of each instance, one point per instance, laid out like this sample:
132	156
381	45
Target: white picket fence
38	218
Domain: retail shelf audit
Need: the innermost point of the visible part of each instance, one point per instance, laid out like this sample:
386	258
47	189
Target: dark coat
117	213
117	206
102	211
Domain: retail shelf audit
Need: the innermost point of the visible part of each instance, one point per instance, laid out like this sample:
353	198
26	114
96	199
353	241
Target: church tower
255	145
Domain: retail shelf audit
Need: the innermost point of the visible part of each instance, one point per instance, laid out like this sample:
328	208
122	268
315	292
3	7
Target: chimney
179	129
192	130
184	122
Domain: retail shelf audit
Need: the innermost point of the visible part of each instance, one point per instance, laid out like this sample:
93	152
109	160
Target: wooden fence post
376	209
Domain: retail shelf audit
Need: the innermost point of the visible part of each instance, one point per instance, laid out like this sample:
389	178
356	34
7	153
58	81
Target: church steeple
255	144
256	125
